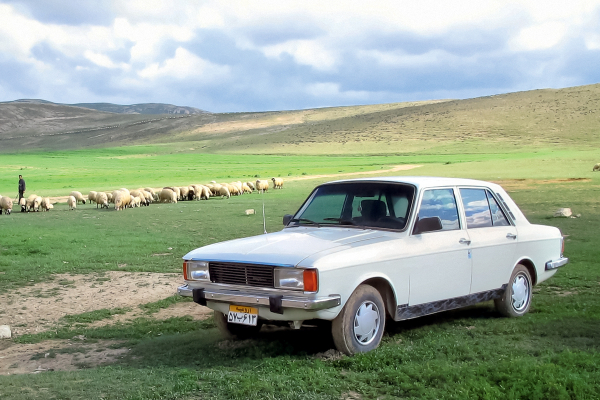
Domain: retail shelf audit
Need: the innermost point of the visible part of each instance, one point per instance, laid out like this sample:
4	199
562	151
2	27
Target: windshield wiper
306	220
341	221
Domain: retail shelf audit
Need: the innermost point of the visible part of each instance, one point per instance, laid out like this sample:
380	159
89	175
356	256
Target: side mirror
286	219
427	225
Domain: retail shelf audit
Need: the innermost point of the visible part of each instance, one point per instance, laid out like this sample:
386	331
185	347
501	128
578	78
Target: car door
440	267
493	239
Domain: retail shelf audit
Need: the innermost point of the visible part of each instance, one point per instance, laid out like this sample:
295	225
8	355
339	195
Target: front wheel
235	330
360	325
516	299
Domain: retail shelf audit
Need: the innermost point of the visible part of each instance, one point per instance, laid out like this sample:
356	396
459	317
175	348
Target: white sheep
251	185
224	192
92	196
72	202
174	189
277	183
206	193
122	199
109	197
78	196
33	203
233	189
23	204
46	205
262	185
135	201
184	192
246	188
148	199
6	205
167	195
101	200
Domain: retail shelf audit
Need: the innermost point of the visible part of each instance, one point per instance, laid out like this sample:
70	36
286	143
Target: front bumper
275	302
556	263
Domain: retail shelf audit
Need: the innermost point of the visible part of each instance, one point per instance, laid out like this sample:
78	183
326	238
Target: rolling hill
509	122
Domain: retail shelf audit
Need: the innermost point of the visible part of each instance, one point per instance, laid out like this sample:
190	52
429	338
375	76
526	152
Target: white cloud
185	65
540	37
305	52
103	60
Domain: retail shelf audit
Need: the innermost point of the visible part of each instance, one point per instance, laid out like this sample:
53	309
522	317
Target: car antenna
263	205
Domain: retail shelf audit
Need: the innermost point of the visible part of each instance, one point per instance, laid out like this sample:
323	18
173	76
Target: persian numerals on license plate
242	315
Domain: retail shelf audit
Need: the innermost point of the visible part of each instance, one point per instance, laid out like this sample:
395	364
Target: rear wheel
360	325
235	330
516	299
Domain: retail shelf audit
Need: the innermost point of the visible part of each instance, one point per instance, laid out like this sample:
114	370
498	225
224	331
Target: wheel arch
386	291
527	263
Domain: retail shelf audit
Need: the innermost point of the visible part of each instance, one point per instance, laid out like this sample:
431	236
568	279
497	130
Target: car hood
285	248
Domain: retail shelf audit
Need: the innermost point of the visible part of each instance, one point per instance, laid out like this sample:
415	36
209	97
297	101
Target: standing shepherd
21	187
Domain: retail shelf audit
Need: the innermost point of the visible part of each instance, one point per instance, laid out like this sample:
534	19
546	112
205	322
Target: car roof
424	181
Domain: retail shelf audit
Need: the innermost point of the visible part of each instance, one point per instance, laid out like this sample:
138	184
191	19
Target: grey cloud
19	78
298	27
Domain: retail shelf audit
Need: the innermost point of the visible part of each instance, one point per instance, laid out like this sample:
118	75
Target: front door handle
464	241
511	236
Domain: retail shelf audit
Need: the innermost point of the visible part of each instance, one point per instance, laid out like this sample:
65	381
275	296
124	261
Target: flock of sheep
124	198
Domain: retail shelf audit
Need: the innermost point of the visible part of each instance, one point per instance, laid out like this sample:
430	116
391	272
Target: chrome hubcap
520	292
366	322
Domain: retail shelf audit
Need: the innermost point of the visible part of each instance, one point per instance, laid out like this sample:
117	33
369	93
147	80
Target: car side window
477	209
498	217
442	204
481	209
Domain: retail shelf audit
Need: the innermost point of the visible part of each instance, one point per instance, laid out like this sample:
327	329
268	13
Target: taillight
562	246
311	283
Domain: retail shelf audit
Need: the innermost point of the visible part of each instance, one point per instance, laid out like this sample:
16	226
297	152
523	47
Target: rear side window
498	217
440	203
477	209
481	209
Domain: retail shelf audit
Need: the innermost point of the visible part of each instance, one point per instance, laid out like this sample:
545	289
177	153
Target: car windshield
359	204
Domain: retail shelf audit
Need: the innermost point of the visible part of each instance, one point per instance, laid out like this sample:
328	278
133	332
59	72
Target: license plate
242	315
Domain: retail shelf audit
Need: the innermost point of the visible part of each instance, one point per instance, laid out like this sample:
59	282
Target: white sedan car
361	250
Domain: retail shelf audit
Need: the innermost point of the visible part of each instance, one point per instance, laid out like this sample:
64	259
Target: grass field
552	353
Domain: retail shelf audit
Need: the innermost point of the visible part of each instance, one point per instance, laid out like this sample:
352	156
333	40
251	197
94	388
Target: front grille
241	274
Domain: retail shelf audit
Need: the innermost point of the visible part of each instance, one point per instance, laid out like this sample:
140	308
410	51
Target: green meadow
473	353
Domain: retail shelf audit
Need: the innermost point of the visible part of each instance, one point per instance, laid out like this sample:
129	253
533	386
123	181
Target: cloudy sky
260	55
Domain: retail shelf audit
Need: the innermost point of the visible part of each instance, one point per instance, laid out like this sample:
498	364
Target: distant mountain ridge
511	122
142	108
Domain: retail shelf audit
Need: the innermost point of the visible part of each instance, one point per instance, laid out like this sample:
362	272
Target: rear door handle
511	236
464	241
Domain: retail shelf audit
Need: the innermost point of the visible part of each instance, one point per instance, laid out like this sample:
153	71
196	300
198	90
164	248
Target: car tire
359	326
516	299
232	331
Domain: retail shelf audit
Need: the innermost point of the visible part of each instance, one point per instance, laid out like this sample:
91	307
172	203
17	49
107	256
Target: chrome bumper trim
556	263
263	300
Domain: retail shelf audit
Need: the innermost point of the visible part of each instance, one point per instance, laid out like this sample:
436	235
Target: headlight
196	271
296	279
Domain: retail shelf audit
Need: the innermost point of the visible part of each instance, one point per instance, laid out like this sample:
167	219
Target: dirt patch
193	310
345	174
58	355
39	307
330	355
514	184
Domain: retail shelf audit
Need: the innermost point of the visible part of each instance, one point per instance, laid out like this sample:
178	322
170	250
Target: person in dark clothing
21	187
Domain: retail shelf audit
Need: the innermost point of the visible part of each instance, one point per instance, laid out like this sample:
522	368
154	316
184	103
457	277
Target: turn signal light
311	283
185	275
